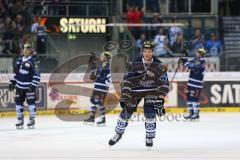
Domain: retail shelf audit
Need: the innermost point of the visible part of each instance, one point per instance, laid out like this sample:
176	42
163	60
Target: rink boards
221	93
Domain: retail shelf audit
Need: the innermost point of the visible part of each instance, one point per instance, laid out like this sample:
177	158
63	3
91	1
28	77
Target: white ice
215	136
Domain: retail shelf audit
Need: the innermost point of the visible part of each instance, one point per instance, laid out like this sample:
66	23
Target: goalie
146	78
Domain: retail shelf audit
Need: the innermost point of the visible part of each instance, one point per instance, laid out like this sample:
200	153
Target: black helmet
148	44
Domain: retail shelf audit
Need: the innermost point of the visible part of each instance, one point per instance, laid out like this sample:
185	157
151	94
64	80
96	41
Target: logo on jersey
36	65
162	67
164	78
27	65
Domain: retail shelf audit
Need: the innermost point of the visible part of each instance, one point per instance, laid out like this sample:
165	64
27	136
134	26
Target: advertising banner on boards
7	101
214	94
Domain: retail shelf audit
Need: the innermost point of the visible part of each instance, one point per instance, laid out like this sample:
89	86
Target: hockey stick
170	83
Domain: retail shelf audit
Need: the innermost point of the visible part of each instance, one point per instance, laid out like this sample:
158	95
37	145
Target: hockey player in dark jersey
26	79
146	78
195	82
101	77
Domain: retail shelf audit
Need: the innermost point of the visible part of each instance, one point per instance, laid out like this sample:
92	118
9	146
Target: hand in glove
11	86
31	88
93	75
159	106
127	101
182	60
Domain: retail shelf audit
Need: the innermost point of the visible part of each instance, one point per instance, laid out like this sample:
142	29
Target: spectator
2	26
3	9
17	8
196	42
177	46
20	25
139	42
176	37
8	36
35	25
161	41
134	16
41	38
214	46
2	30
34	28
155	20
19	31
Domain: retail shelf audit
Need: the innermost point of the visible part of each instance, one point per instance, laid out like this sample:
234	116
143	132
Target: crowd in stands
168	40
14	21
13	24
15	28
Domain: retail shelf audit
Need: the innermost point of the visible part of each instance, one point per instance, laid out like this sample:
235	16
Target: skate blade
19	127
89	123
31	127
101	125
194	120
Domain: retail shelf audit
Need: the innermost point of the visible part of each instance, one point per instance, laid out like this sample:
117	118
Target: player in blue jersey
101	77
26	79
195	82
146	78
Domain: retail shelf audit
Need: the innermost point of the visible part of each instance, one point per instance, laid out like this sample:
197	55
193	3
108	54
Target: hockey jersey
152	76
103	78
26	73
197	70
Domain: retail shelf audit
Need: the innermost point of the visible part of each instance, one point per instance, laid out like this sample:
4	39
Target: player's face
198	55
103	58
147	54
26	52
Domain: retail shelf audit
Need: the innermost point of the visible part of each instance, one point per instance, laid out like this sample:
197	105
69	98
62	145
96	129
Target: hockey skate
115	139
102	122
31	124
20	123
195	117
149	142
90	120
188	116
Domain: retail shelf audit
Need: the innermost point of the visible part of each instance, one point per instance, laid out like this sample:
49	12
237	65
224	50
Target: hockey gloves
159	107
93	75
31	88
182	60
157	104
127	100
12	84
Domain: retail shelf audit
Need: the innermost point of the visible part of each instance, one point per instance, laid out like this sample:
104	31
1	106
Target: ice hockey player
26	79
195	82
101	77
149	74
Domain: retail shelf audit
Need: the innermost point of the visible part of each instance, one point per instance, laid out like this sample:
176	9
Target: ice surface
215	136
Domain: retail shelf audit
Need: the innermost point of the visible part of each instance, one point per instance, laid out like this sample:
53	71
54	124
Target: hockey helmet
27	45
148	44
107	54
201	51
